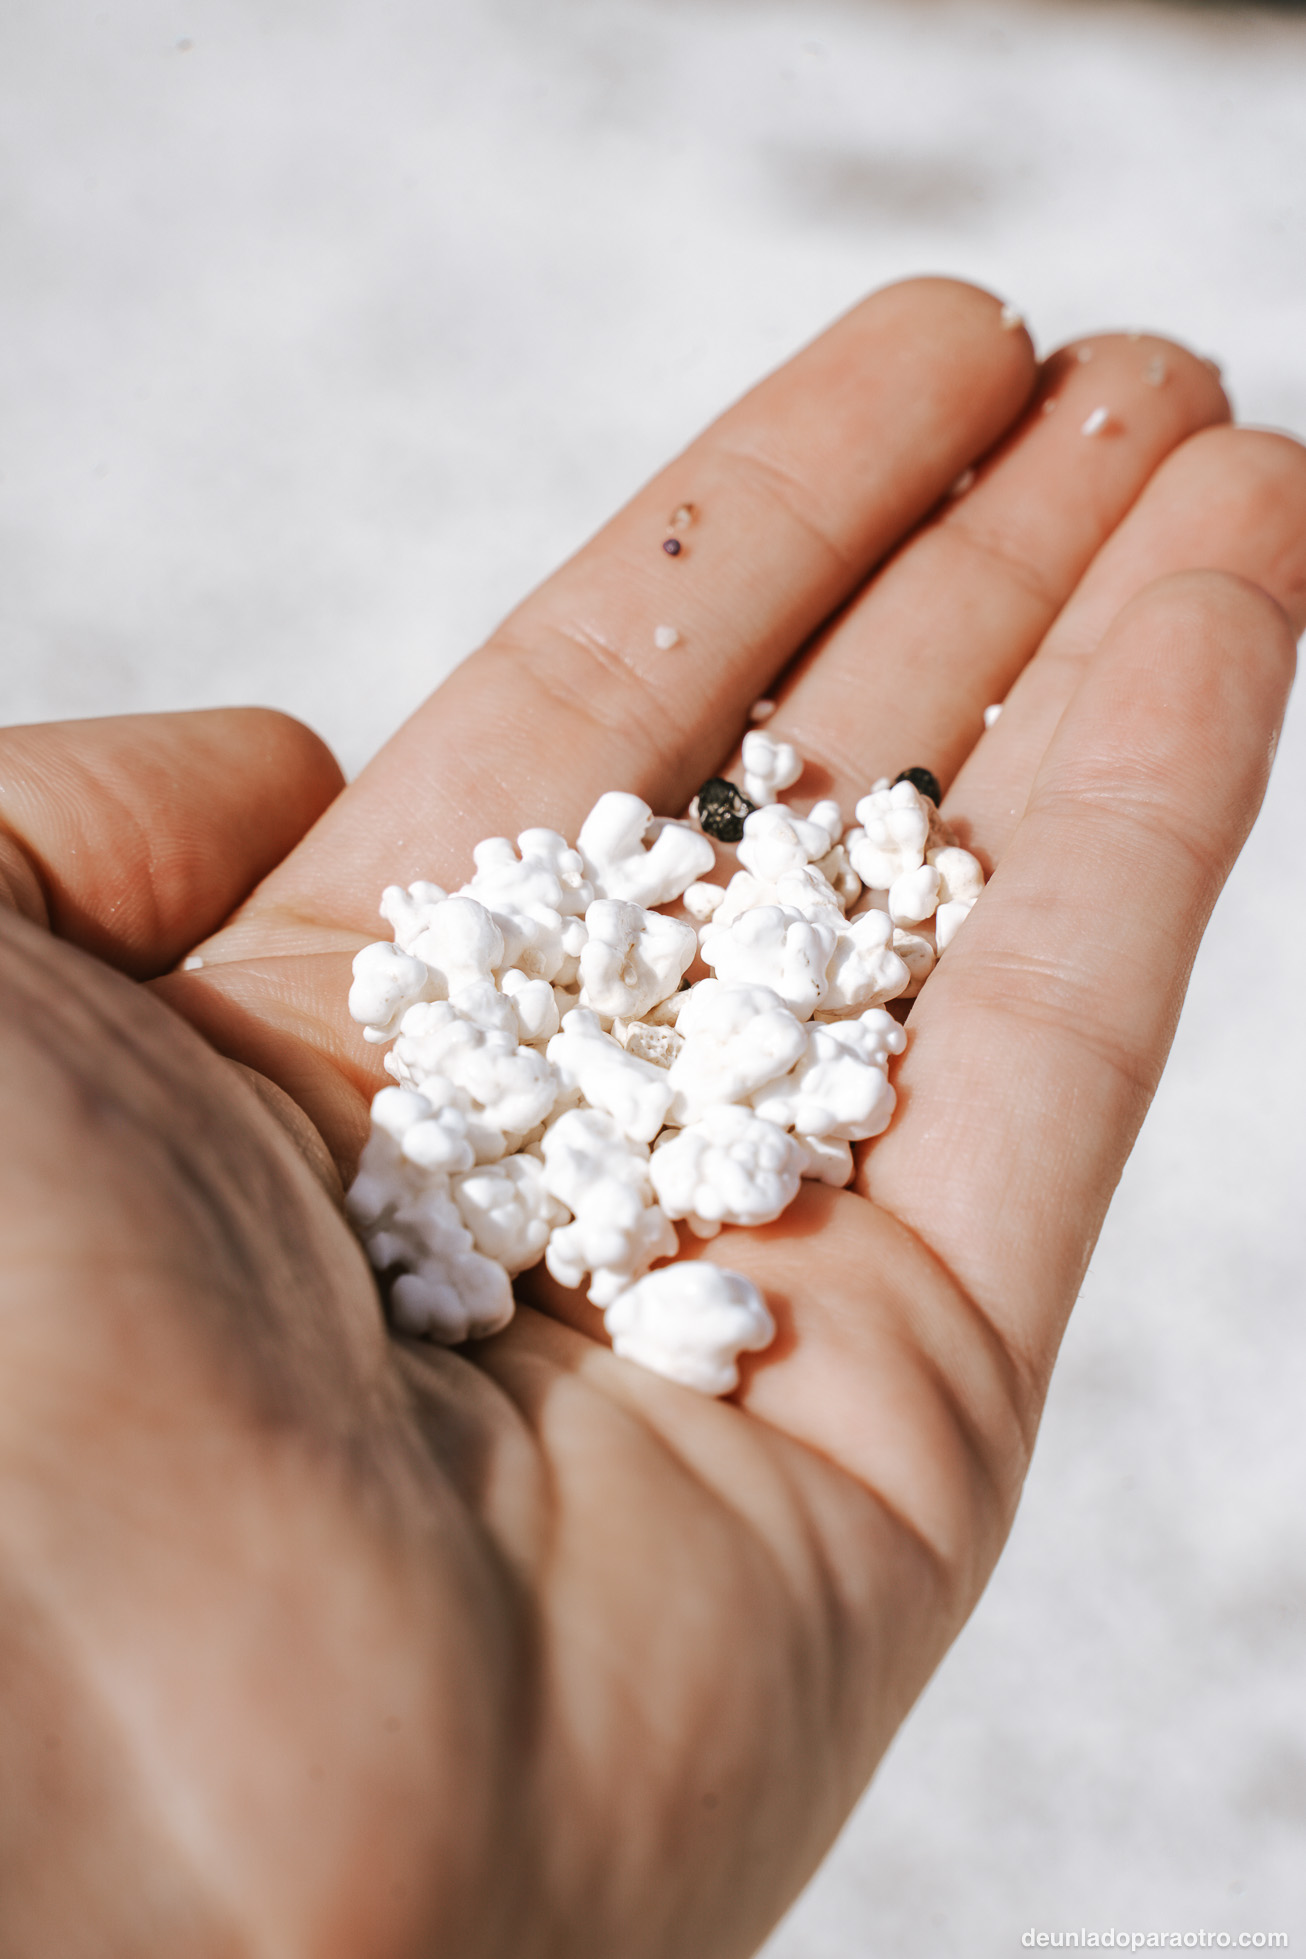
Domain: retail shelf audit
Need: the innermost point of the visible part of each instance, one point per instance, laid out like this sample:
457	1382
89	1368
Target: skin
316	1642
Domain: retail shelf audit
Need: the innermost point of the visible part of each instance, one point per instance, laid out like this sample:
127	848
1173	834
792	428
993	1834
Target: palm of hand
363	1627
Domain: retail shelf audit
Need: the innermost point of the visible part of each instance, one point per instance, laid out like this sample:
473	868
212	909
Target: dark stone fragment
925	781
722	809
672	546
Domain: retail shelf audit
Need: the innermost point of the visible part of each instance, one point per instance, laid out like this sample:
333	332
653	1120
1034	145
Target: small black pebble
925	781
722	809
672	546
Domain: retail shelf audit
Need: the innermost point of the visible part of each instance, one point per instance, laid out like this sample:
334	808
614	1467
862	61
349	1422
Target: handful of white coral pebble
564	1095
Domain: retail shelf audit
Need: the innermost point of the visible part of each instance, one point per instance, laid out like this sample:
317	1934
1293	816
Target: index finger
634	666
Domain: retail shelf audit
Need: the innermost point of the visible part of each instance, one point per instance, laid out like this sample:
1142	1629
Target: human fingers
136	835
1229	499
797	492
1039	1040
902	677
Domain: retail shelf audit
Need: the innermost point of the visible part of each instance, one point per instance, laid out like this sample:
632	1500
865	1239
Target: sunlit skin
316	1642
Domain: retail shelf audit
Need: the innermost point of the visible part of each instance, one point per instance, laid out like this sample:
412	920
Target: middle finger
634	667
903	677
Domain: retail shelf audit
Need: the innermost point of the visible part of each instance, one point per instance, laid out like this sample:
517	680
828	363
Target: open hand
321	1642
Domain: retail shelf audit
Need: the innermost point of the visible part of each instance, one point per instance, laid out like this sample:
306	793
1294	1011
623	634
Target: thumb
137	835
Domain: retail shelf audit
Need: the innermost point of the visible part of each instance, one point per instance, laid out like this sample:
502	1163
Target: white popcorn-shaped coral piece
826	1160
387	982
482	1002
948	920
808	891
460	942
836	868
769	766
702	900
916	948
534	890
603	1177
895	826
826	815
736	1039
509	1087
875	1036
543	945
540	870
743	893
961	875
961	879
776	840
383	1177
455	1118
549	847
420	1224
555	956
446	1141
585	1147
634	1093
729	1167
614	1238
430	1132
803	889
446	1290
508	1210
535	1003
691	1321
395	1111
841	1087
407	909
633	958
865	970
913	895
452	1297
777	947
631	855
